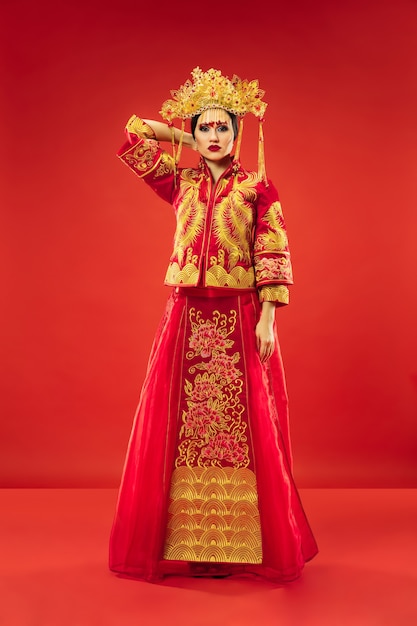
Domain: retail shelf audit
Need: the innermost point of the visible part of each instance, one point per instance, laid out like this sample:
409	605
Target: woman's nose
213	135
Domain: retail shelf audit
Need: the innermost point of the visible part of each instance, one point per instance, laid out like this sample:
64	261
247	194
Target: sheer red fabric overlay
140	525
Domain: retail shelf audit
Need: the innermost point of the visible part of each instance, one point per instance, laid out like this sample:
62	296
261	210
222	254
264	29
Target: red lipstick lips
214	148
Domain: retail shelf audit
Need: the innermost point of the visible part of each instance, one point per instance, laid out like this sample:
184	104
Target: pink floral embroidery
274	269
207	338
224	447
201	420
212	427
223	365
205	387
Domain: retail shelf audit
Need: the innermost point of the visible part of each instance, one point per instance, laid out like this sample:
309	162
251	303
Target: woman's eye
223	129
203	128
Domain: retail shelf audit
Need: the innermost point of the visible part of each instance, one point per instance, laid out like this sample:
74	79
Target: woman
207	487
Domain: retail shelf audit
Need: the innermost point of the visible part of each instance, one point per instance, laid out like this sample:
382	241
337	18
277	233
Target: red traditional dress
207	487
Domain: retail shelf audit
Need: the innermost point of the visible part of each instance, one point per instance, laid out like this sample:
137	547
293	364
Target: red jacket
229	235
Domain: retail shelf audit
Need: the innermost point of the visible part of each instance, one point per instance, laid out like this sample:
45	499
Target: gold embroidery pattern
166	165
275	239
216	275
188	275
190	217
274	293
238	278
144	157
140	128
233	222
232	228
213	516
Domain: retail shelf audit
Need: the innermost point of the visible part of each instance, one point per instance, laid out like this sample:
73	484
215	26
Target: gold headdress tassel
174	156
261	154
239	139
179	149
237	151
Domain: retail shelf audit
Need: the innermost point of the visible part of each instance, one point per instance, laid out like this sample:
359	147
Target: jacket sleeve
144	156
273	271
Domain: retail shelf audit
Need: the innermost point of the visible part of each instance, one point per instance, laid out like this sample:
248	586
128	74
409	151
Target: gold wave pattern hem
213	516
215	276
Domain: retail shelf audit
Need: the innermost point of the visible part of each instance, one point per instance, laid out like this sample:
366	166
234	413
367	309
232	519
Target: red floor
53	552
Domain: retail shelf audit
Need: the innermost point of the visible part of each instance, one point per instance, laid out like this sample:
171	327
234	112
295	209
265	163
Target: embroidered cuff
274	293
138	127
275	269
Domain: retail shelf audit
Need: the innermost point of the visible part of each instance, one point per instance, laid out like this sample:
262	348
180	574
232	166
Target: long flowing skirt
207	487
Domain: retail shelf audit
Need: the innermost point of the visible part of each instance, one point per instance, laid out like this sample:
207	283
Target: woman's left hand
264	331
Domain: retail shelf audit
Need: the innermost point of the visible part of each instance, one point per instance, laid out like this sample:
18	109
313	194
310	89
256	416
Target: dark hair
232	116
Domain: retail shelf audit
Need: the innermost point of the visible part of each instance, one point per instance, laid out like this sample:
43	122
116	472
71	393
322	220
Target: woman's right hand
163	132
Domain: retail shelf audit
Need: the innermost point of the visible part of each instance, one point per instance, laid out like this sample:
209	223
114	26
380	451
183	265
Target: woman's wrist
268	312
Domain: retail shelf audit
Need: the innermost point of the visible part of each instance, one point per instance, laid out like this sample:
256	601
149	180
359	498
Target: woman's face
214	134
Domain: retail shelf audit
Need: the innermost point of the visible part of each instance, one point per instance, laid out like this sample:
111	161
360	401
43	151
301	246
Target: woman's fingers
264	339
265	350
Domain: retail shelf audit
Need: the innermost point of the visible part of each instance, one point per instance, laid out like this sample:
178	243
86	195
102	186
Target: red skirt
207	487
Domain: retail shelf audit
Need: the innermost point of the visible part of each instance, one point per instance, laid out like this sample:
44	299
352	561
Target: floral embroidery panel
213	509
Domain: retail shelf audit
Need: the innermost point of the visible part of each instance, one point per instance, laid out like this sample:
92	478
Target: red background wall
84	245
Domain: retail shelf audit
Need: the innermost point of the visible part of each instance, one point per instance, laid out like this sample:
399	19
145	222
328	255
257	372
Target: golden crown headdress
212	90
